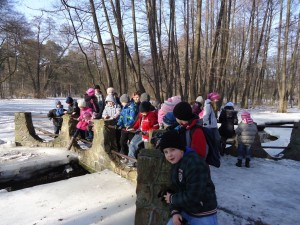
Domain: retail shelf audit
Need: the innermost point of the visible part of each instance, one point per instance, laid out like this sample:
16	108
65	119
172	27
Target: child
112	109
85	119
146	122
210	115
192	197
73	109
125	121
55	115
166	107
92	102
228	118
246	132
188	122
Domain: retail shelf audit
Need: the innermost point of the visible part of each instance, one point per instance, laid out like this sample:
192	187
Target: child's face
136	98
110	104
124	104
173	155
181	122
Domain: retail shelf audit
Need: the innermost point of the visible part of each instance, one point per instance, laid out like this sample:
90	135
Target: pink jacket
83	123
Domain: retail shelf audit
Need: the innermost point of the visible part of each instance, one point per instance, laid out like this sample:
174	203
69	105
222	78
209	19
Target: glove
163	192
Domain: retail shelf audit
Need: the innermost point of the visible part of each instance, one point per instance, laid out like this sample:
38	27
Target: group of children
192	196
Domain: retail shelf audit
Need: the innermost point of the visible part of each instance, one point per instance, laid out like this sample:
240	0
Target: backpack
213	154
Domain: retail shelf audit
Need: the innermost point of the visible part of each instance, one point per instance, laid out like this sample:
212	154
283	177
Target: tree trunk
100	42
151	19
115	51
196	64
140	85
213	64
282	108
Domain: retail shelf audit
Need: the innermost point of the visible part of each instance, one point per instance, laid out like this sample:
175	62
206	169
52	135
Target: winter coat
127	115
246	133
101	101
146	123
209	118
92	102
228	118
73	110
83	124
55	115
192	187
112	111
198	140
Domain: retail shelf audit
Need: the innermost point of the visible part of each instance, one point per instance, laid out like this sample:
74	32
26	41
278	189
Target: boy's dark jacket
57	120
194	191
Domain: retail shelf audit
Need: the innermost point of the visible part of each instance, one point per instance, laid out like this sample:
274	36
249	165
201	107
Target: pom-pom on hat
145	97
171	139
81	103
110	91
90	92
69	100
145	107
169	119
124	98
183	111
213	96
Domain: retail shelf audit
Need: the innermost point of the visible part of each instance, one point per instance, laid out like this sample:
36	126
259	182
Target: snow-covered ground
268	192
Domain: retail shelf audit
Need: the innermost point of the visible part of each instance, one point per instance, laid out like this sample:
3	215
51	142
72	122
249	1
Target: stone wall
97	158
293	149
153	176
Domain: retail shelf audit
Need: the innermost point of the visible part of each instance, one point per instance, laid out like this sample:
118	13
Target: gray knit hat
145	97
124	98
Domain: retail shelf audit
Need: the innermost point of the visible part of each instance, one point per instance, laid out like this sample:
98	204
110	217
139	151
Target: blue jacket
128	115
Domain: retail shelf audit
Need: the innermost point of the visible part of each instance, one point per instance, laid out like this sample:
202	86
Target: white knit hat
81	103
199	99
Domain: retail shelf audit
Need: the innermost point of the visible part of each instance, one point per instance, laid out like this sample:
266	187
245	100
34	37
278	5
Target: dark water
57	174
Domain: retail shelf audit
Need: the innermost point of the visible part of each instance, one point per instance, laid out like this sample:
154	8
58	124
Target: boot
239	163
247	163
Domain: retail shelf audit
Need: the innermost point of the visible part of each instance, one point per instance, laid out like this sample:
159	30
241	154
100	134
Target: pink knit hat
246	117
169	104
245	114
213	96
90	91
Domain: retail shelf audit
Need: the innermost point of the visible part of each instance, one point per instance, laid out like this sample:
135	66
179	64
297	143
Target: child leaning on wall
55	115
246	132
146	122
191	197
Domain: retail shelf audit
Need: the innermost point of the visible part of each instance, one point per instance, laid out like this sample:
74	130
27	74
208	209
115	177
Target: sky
31	8
269	191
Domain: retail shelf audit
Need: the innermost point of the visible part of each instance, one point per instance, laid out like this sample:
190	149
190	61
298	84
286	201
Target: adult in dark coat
228	118
92	102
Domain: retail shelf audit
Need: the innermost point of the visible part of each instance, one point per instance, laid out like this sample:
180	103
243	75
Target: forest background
246	50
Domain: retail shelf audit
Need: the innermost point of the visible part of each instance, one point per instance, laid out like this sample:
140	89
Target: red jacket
146	123
198	142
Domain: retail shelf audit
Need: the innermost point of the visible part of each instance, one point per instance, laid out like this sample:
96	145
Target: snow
268	191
